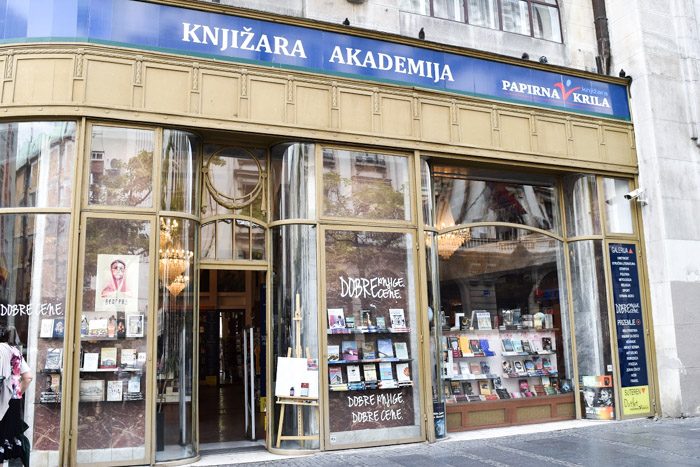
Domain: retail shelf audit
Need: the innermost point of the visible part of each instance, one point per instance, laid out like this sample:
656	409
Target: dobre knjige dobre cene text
375	287
376	407
42	309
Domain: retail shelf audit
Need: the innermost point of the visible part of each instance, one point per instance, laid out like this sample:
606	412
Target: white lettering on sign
376	287
380	407
225	38
396	63
42	309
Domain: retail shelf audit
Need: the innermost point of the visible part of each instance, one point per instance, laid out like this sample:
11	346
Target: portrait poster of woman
116	287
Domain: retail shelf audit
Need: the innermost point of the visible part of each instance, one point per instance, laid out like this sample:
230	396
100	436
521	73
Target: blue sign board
143	25
628	315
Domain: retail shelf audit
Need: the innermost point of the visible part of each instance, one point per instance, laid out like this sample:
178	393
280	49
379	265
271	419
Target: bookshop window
581	204
33	283
36	164
121	167
113	341
367	185
372	349
503	314
175	373
295	331
293	181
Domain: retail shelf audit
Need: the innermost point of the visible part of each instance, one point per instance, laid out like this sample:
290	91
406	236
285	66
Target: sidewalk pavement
632	443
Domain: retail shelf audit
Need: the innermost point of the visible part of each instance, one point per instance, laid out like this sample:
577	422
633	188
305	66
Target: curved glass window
581	204
36	164
33	283
180	172
294	282
465	196
233	239
121	167
293	181
174	364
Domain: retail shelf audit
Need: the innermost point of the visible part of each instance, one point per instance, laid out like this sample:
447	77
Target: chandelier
450	242
173	262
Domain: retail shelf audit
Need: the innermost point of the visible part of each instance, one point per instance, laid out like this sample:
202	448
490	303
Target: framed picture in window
134	325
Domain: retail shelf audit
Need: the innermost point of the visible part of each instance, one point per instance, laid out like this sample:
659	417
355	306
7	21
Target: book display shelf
510	372
51	332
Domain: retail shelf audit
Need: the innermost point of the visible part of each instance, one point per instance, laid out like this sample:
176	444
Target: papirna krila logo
564	91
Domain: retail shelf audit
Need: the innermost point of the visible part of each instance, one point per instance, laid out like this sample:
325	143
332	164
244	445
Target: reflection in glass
113	336
367	185
516	16
463	197
427	197
516	277
483	13
180	172
121	167
175	373
370	278
294	275
422	7
590	307
233	239
545	21
33	273
449	9
36	164
581	204
293	181
234	179
618	210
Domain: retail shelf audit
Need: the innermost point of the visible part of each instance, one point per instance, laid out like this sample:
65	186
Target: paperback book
335	375
46	329
401	349
385	348
369	351
90	361
385	371
54	359
397	319
349	349
370	372
354	373
92	390
333	353
336	318
403	372
108	357
114	390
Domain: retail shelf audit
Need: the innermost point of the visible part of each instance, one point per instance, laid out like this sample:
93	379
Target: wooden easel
296	401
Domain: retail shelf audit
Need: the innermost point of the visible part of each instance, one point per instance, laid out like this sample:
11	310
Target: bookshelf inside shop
505	364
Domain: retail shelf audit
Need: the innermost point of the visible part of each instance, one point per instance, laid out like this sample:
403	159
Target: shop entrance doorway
231	358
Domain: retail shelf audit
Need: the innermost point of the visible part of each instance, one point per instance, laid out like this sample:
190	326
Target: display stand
296	401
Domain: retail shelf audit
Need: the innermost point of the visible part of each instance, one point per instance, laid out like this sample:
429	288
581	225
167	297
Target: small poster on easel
296	377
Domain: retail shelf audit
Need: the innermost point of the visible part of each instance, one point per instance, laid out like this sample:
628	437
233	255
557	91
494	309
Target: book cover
141	359
333	353
304	389
455	369
350	322
54	359
475	347
526	346
380	322
483	319
336	318
401	349
475	368
128	358
369	351
507	367
366	319
335	375
473	398
535	346
97	328
484	387
403	372
547	365
385	371
485	368
486	347
349	349
108	357
90	361
453	342
508	345
114	390
59	328
53	383
547	344
46	329
370	371
134	384
464	368
464	345
112	327
92	390
518	367
121	328
502	393
455	388
539	366
517	345
529	365
385	348
468	388
354	373
397	318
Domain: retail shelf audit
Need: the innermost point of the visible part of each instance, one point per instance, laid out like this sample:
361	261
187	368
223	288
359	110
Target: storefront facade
435	228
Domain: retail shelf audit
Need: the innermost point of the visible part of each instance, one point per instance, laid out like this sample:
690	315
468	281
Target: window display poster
116	287
598	397
296	377
629	324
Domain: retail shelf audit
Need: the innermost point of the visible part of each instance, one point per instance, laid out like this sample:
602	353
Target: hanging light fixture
173	262
450	242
